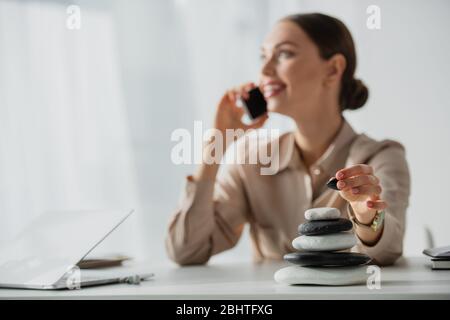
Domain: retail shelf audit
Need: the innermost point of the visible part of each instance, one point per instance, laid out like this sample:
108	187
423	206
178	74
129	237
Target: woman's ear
335	68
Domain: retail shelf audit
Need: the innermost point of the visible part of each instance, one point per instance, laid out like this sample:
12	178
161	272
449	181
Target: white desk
410	278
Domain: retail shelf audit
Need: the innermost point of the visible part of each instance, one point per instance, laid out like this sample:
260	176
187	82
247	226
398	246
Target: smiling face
294	78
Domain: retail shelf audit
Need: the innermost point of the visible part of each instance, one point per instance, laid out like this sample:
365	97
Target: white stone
324	213
322	276
326	242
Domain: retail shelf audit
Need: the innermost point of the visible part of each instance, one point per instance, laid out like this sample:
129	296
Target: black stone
318	227
332	184
327	259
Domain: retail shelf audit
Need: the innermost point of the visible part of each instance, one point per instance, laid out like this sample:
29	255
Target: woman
307	74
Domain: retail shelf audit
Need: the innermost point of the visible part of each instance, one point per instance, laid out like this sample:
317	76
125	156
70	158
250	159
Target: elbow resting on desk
181	251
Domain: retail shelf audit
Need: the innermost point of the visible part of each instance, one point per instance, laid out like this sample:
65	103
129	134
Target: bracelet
376	223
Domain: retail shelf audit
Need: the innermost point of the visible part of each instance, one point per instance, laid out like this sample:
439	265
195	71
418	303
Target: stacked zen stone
317	261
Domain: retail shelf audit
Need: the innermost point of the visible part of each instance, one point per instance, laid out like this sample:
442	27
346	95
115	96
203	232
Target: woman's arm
382	184
209	219
212	212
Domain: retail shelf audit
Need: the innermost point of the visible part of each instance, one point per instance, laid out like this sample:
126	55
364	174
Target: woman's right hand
229	115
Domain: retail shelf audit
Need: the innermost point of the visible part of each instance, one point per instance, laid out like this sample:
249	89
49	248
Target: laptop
46	253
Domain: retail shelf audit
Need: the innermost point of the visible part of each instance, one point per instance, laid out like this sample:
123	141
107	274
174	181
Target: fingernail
341	184
355	190
340	175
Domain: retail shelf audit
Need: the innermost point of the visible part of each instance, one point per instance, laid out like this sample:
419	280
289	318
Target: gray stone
332	184
327	242
324	213
293	275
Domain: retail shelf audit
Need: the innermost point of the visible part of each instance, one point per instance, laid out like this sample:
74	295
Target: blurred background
86	114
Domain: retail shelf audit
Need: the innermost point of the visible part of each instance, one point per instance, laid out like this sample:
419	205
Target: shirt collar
290	158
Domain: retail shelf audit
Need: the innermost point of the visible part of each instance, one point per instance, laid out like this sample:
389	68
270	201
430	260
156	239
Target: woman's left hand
361	188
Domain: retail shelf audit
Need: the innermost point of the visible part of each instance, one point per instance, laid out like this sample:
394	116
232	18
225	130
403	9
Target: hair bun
357	95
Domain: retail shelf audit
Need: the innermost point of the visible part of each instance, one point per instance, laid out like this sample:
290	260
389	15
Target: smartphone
256	105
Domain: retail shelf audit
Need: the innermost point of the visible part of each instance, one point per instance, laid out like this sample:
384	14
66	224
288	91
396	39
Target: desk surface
410	278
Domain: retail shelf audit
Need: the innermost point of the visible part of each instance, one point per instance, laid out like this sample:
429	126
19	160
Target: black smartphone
256	105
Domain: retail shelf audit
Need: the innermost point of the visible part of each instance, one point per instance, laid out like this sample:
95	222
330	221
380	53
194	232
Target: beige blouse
211	214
